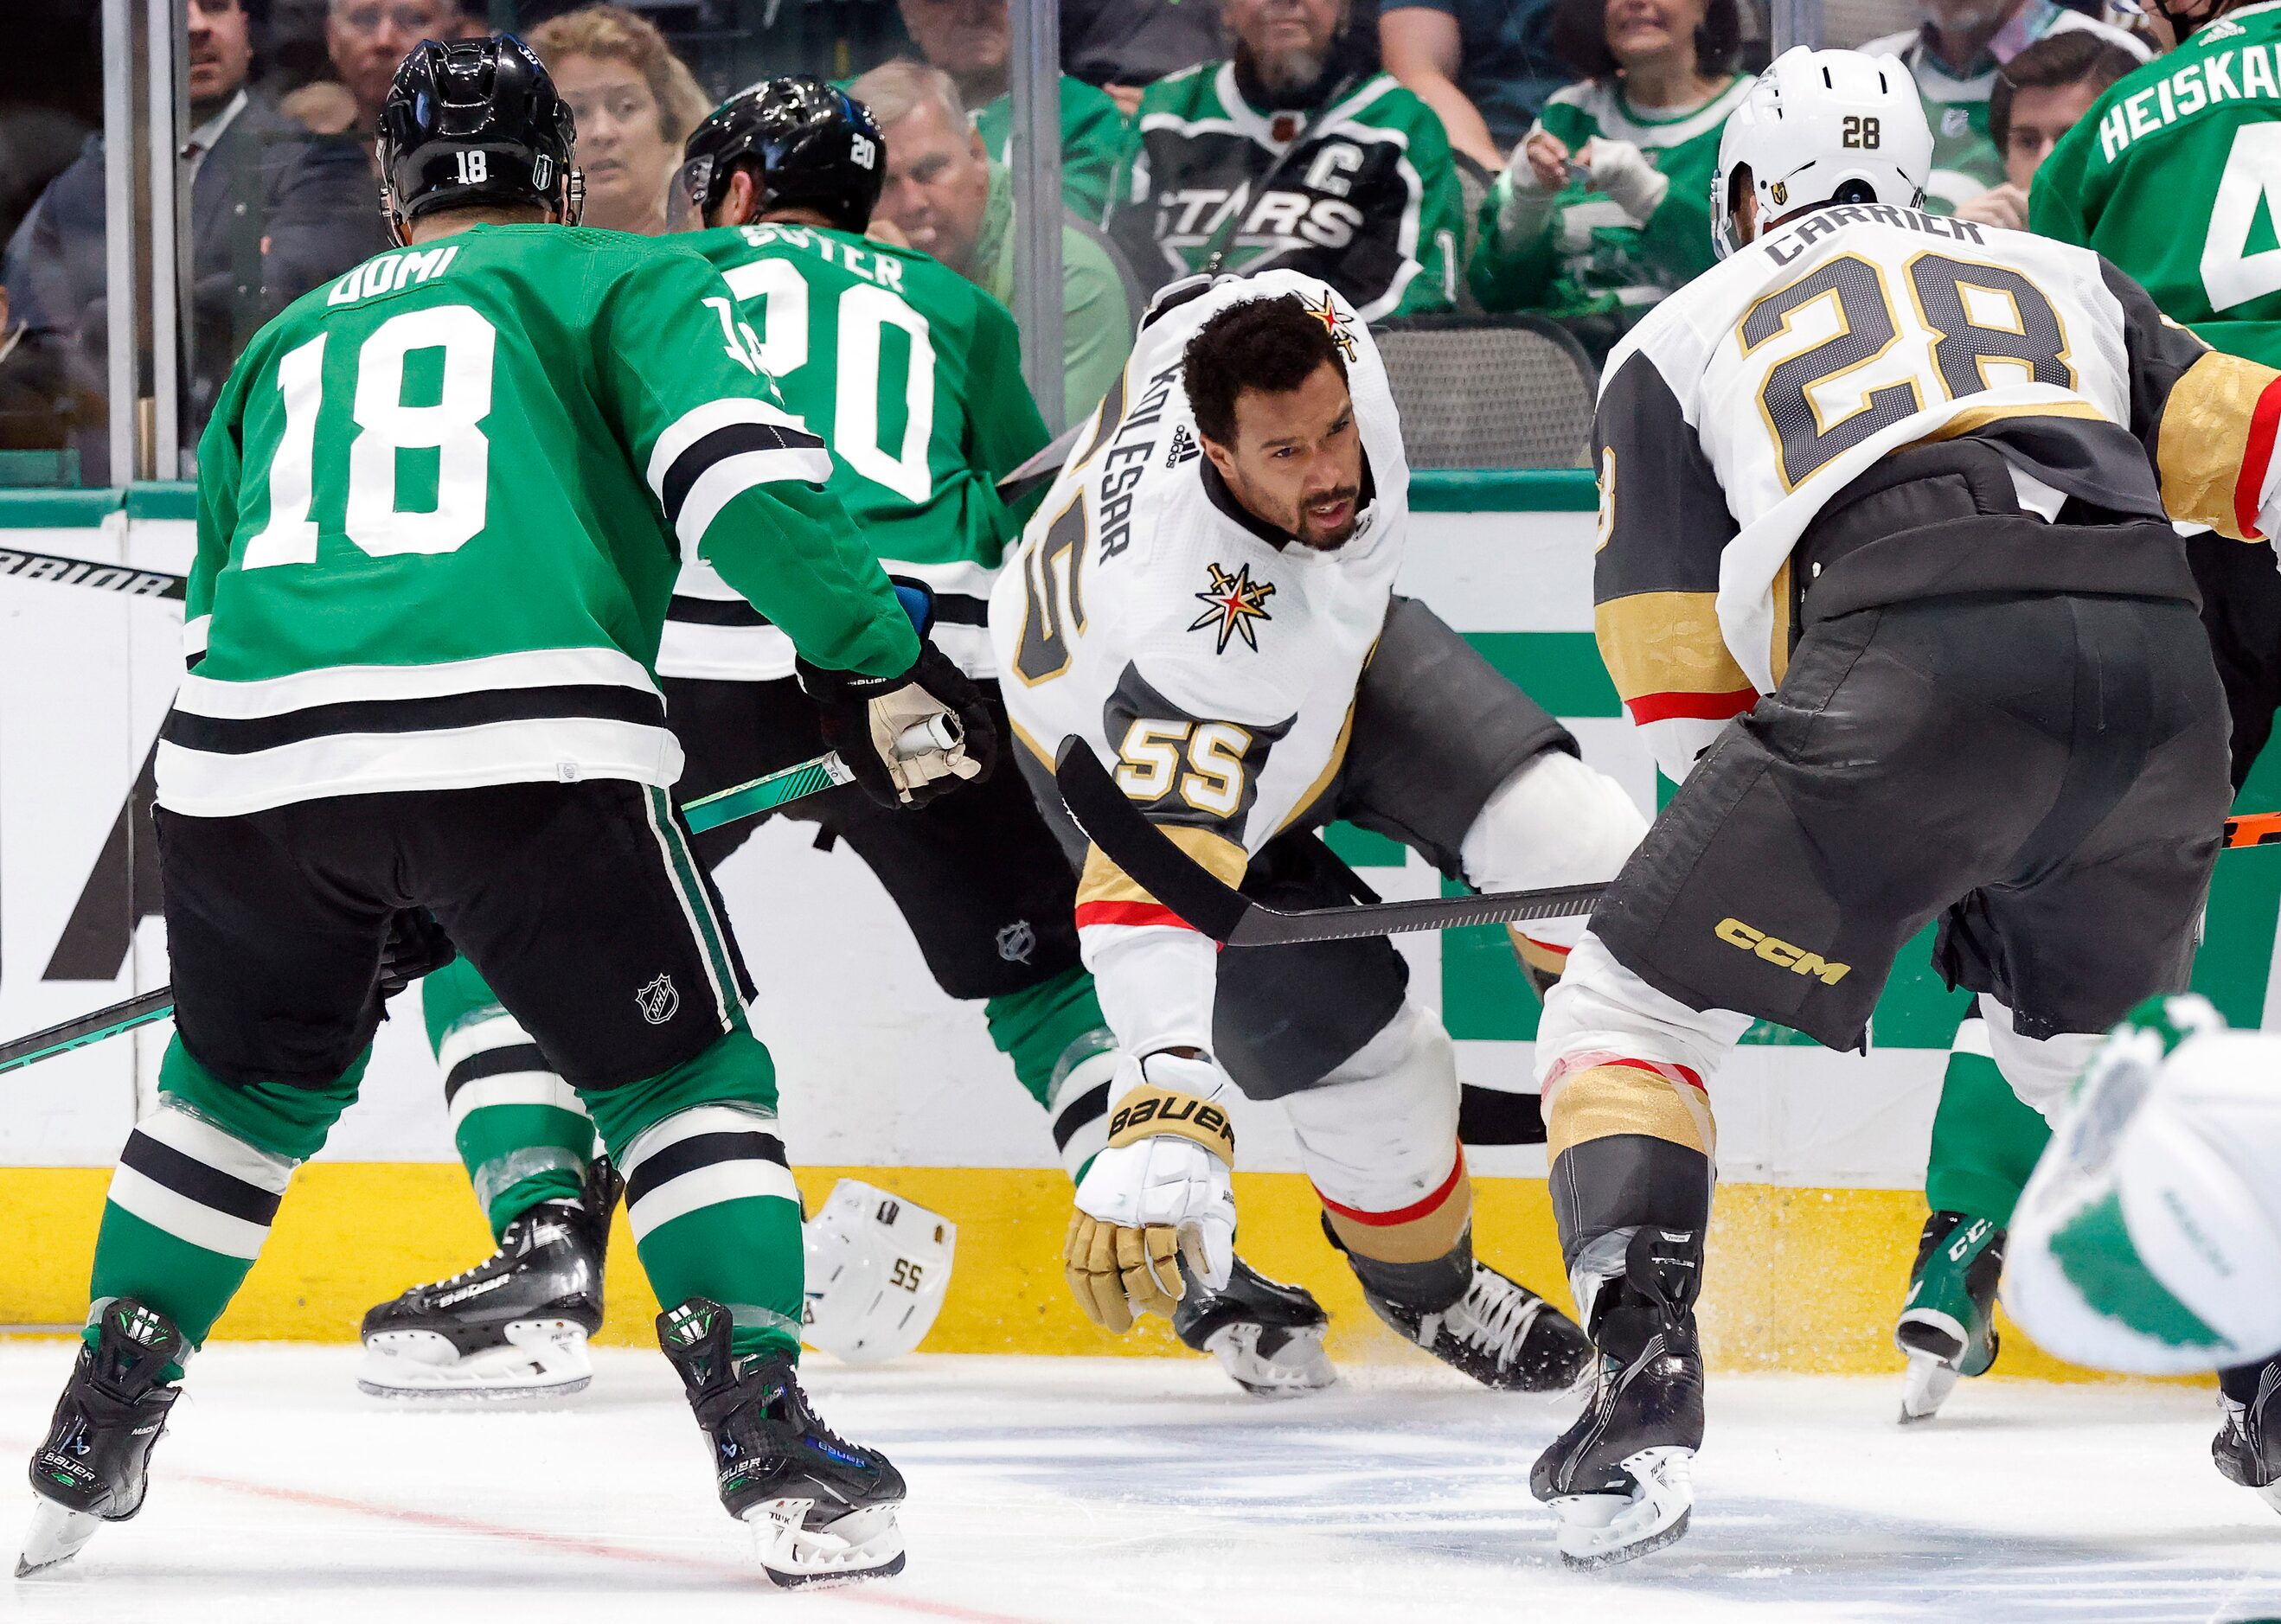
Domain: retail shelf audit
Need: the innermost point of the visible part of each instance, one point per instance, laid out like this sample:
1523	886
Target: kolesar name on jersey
2246	73
386	272
1126	459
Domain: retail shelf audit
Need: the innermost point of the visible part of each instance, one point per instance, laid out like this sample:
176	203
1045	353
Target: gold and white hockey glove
1160	1191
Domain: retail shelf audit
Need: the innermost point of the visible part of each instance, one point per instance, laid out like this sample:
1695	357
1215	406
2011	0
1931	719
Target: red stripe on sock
1693	707
2257	457
1128	914
1669	1073
1405	1215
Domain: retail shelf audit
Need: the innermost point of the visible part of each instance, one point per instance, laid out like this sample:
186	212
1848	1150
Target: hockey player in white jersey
1886	574
1205	599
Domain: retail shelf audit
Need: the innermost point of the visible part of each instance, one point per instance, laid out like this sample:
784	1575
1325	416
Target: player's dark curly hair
1272	344
1580	39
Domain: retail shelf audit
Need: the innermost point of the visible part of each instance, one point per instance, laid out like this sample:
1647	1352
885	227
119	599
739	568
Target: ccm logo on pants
1775	951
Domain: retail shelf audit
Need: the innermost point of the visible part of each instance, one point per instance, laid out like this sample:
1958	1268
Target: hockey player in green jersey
776	185
1605	206
2194	137
442	503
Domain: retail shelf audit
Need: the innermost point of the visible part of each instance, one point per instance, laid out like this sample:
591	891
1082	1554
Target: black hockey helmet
807	145
472	122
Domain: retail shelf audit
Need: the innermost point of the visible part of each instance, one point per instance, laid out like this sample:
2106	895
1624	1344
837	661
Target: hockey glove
875	722
1160	1191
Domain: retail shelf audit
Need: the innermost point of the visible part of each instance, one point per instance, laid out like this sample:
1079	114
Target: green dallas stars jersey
913	377
1092	136
2174	174
441	504
1367	199
1591	257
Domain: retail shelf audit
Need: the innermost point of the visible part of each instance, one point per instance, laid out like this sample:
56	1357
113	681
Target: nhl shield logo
1016	942
659	1001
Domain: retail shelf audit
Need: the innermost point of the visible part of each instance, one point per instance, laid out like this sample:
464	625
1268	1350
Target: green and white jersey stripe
442	504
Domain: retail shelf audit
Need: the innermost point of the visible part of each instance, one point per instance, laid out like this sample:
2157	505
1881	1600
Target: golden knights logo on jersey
1237	601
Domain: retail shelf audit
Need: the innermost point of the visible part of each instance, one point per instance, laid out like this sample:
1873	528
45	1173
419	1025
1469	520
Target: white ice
1102	1489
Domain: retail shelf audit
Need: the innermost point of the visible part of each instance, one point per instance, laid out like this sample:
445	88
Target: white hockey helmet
2149	1238
1824	127
878	1267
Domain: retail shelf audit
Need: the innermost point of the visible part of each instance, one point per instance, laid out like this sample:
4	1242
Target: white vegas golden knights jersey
1207	660
1748	399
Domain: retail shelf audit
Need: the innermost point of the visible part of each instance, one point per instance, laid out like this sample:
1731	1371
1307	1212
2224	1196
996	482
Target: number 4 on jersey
2241	257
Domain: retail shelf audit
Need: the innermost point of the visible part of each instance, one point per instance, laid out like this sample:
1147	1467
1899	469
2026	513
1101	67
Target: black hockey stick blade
59	570
1151	860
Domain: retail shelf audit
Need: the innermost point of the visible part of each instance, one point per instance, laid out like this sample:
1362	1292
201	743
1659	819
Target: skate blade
1300	1366
1926	1387
57	1535
863	1544
544	1359
1601	1530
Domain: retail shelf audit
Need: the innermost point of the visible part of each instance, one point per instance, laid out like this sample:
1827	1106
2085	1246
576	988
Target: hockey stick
56	569
1225	914
1173	877
710	812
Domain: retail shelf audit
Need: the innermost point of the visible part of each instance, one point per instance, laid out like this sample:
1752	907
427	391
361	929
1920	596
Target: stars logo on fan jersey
1336	323
1237	601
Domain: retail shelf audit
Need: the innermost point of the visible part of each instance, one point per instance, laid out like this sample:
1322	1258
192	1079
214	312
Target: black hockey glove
416	946
908	738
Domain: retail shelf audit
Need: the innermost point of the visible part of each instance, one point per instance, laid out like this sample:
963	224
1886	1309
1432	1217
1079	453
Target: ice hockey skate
1499	1333
2246	1449
91	1469
512	1327
1619	1478
825	1509
1947	1325
1267	1335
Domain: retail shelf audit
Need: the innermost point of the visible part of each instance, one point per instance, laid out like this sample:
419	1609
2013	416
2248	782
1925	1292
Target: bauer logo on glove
1159	1194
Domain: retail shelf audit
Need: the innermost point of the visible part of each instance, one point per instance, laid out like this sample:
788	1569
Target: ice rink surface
1102	1489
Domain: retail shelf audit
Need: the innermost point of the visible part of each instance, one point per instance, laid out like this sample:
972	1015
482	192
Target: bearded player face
1296	461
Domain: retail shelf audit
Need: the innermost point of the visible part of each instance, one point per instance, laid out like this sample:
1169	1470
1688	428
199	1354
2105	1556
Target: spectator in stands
2039	95
972	41
1126	45
1282	155
1606	207
1487	67
365	39
636	103
1955	57
273	212
949	197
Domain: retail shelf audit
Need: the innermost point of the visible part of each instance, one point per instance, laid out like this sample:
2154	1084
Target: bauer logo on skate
1775	951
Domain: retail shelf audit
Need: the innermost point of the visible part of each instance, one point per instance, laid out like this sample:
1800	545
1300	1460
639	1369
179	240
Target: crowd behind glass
1547	159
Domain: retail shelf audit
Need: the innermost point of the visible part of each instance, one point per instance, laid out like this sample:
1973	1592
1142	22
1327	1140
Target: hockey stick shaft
1138	847
711	811
58	569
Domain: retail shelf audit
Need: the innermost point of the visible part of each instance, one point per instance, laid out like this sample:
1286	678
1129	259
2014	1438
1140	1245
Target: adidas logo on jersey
1183	449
